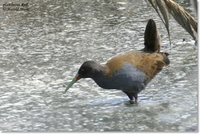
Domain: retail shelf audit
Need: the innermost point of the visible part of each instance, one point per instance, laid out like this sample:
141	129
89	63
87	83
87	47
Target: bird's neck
100	71
101	76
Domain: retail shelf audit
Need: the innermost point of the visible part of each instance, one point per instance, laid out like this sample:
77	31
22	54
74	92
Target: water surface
42	49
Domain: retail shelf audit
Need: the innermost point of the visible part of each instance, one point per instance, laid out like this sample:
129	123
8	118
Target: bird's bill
74	80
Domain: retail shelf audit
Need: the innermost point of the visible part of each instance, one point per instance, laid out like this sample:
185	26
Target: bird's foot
132	102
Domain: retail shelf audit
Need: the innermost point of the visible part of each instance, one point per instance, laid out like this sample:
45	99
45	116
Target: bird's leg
135	95
130	96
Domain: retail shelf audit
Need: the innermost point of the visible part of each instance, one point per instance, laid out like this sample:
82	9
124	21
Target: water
42	49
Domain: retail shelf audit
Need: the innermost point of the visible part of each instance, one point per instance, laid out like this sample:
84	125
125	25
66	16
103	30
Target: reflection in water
41	50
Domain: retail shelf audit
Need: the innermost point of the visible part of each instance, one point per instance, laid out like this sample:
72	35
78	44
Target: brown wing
149	63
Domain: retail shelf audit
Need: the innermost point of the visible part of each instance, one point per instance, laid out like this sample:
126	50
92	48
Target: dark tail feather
151	37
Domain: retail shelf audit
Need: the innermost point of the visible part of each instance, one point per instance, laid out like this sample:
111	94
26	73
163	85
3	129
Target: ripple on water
41	50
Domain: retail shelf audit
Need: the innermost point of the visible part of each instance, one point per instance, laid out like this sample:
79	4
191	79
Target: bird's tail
151	37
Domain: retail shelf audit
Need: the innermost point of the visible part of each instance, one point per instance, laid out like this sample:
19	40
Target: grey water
42	48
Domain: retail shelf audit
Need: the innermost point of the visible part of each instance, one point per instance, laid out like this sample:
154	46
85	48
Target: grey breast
128	78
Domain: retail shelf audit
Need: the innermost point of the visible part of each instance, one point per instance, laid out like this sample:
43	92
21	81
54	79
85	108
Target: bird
130	71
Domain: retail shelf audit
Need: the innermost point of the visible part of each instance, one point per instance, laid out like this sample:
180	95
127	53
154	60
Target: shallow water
42	49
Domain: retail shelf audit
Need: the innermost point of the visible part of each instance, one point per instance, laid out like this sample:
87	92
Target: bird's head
87	70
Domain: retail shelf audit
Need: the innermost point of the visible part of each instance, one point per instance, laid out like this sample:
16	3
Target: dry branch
187	21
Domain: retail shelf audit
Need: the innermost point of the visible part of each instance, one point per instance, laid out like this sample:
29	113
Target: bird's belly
126	78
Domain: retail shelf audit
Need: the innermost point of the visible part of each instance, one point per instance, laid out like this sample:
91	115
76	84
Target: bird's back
149	63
